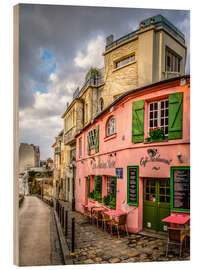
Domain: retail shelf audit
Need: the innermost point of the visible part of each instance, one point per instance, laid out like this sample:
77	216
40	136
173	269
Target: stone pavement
95	246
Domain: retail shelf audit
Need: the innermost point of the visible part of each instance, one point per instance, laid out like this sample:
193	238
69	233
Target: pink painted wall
128	153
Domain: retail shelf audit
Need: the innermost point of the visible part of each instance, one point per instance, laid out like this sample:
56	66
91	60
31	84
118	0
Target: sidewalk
94	245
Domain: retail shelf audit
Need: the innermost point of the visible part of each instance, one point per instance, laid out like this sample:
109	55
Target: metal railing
90	82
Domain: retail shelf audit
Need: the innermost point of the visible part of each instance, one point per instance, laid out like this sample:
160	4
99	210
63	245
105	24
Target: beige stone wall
122	79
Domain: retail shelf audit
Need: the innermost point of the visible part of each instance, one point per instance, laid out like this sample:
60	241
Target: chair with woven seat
175	237
121	221
86	212
106	220
97	215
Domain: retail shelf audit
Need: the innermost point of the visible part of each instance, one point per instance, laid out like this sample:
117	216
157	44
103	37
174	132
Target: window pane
151	115
166	112
162	104
166	121
151	123
162	113
156	106
162	122
155	114
155	123
151	107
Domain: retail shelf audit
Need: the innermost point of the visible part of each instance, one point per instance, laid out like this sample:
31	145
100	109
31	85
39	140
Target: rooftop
157	21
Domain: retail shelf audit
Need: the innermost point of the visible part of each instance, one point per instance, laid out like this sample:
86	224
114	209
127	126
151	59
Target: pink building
125	162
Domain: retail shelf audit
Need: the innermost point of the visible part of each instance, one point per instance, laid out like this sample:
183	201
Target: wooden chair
106	220
120	222
175	237
97	215
86	212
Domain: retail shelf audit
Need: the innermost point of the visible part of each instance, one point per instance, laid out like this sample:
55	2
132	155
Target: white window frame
92	137
112	130
158	115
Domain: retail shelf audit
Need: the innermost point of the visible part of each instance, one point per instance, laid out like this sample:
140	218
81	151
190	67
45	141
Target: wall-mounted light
82	161
115	154
179	156
110	155
93	158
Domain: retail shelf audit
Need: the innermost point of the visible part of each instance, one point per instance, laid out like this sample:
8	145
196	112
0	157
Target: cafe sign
103	165
153	156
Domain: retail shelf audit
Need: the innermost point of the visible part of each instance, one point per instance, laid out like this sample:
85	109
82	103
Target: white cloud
93	54
42	121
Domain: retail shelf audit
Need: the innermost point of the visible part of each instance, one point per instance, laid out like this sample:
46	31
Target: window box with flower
156	134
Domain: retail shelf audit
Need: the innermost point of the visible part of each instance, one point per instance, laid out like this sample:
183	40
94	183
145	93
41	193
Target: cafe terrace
135	156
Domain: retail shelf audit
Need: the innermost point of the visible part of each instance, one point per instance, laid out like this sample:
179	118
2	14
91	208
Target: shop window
111	126
158	115
98	188
125	61
110	199
172	61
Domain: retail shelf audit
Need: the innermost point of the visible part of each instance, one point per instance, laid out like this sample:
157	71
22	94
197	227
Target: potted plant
156	134
107	199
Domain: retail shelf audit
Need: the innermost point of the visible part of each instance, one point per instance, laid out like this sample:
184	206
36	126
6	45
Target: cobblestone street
95	246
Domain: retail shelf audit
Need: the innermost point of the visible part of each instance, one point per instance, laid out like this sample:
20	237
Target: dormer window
111	126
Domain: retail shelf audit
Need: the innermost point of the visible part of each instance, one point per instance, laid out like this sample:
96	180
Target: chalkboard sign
180	188
133	185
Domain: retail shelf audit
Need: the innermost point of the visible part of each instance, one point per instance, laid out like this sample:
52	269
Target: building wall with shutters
120	150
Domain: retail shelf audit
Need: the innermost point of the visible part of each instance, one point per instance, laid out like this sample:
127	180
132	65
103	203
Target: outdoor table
114	213
179	220
176	219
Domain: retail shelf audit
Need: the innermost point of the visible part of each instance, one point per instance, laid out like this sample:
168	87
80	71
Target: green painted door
156	203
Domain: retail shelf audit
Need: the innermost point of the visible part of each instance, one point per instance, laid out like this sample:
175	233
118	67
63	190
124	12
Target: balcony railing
90	82
69	135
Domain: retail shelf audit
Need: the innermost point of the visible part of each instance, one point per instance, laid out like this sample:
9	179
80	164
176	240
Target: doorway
156	203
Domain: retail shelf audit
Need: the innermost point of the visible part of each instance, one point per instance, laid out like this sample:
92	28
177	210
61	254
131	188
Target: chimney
109	40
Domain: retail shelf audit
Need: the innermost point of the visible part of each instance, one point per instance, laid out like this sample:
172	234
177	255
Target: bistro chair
175	237
121	221
97	215
86	212
106	220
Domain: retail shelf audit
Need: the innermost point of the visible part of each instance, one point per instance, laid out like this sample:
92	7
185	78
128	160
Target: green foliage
91	195
156	133
94	72
107	199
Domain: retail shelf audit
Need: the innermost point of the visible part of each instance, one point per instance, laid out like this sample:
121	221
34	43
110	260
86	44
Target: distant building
42	163
29	156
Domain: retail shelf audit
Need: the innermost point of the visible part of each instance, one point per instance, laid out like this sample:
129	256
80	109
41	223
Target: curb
63	243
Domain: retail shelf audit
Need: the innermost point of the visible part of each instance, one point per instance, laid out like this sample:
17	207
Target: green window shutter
97	139
88	144
175	121
88	185
138	121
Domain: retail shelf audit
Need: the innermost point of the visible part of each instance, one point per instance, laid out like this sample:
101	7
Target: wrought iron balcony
90	82
70	135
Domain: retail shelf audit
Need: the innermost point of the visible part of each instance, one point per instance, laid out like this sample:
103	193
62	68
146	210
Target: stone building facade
154	52
29	156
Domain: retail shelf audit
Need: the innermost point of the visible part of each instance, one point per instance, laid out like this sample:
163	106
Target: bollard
73	204
66	223
73	238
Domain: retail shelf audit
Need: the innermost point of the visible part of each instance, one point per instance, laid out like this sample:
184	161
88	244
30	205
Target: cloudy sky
58	44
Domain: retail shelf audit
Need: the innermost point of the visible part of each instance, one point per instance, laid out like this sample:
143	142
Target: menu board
133	185
99	183
181	189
